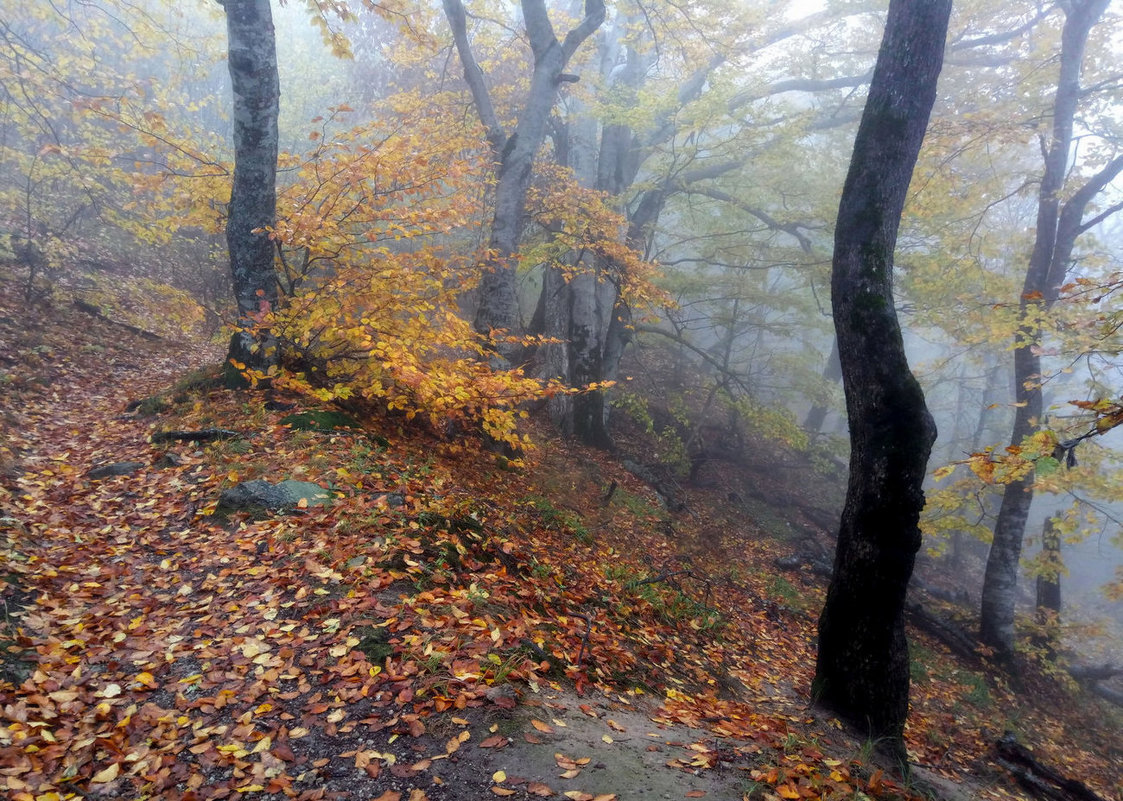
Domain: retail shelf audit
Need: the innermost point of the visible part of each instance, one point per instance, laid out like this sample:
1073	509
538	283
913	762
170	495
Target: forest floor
451	626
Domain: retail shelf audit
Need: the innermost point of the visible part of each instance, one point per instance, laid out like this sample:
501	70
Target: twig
666	574
585	640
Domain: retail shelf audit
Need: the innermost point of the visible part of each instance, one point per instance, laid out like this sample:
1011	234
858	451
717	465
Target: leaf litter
413	650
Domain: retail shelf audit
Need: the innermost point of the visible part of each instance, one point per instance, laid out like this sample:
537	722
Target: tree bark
1049	581
862	670
817	414
253	197
498	310
1054	240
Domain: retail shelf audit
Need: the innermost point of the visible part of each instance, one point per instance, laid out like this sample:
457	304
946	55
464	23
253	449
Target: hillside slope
451	626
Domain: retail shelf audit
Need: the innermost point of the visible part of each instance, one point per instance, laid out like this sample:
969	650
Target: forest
406	400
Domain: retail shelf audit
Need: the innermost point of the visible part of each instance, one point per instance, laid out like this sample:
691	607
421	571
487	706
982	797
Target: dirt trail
563	742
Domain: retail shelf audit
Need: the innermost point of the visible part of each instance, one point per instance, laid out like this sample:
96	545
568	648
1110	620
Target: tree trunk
253	197
817	414
498	309
862	671
1049	580
1050	566
1055	237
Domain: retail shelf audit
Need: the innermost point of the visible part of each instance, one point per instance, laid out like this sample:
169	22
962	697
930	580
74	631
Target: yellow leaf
499	777
107	775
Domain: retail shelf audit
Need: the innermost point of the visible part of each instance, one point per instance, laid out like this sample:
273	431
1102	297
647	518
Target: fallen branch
1109	694
1040	780
951	635
94	311
202	435
666	574
1094	672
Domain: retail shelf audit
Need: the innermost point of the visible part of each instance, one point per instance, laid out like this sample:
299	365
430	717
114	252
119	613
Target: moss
319	420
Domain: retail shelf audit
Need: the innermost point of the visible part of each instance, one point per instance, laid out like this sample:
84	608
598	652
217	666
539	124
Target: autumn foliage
376	252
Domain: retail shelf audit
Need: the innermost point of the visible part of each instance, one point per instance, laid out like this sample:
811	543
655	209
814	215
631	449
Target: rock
394	500
114	469
170	459
260	495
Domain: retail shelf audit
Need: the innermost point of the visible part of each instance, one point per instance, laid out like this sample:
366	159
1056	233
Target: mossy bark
862	671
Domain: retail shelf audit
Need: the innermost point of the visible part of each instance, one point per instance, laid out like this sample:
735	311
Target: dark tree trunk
253	197
1057	229
862	671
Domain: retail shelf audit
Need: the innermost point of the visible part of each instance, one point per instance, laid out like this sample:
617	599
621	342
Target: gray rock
114	469
261	495
395	500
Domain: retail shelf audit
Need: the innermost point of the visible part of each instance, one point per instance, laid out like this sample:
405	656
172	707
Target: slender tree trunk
1049	589
817	414
862	671
1057	229
1049	581
253	197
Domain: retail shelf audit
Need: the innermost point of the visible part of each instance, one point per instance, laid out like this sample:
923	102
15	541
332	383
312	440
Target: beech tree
862	672
253	197
1060	221
514	154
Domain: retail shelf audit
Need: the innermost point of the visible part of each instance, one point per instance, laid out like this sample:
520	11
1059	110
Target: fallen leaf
499	777
106	775
538	788
503	791
542	727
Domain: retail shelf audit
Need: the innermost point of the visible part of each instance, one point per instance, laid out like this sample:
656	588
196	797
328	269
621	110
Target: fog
743	124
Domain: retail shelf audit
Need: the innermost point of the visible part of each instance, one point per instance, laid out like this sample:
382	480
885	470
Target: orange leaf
542	727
